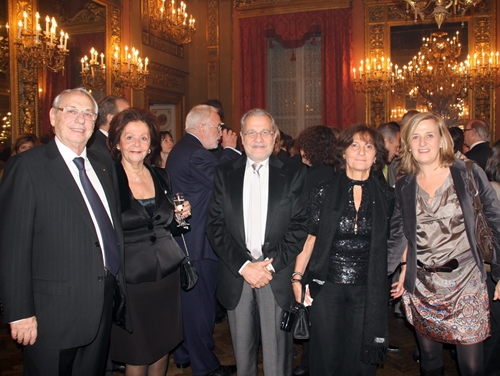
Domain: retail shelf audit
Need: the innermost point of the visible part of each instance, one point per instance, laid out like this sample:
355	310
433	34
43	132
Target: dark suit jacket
51	263
191	168
480	154
285	227
404	220
98	142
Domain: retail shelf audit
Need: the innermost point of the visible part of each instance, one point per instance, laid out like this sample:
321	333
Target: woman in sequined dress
345	255
442	280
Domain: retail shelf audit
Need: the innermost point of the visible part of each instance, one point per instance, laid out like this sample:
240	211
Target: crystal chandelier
46	49
438	9
129	70
436	76
171	20
93	74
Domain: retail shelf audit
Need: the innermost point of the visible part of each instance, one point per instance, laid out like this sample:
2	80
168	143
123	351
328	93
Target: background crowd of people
90	235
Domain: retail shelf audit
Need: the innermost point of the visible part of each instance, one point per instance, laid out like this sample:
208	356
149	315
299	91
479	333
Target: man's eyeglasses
73	113
468	129
264	134
218	126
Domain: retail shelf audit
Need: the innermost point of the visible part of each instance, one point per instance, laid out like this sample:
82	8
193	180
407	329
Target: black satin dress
153	290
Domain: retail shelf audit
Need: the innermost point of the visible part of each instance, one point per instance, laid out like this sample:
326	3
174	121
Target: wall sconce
129	71
93	74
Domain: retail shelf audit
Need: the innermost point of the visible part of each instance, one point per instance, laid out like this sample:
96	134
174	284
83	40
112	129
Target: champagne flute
178	202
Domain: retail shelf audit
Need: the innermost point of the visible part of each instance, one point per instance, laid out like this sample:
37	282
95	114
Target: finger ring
263	285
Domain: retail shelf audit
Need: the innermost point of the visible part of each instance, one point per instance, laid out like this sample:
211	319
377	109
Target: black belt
445	268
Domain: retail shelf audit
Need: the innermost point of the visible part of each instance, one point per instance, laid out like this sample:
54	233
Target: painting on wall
166	117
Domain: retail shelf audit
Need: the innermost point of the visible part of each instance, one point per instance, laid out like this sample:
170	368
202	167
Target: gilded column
213	65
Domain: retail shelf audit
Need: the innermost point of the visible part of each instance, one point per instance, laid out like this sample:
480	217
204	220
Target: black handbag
483	234
189	275
297	320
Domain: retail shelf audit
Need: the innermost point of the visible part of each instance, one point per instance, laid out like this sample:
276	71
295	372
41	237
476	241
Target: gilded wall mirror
386	20
89	24
452	41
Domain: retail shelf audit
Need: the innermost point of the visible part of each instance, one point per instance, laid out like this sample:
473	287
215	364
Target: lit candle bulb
19	27
146	64
354	72
102	59
54	25
47	20
25	17
66	37
61	40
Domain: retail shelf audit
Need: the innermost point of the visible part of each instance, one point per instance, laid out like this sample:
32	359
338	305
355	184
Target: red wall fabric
292	30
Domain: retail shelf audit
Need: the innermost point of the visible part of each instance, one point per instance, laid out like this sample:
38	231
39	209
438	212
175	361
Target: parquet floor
397	363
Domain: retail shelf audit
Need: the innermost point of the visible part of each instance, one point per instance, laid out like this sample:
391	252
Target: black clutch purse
189	275
297	320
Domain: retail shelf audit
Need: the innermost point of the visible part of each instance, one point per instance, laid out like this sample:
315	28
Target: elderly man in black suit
477	137
257	225
60	246
109	106
191	167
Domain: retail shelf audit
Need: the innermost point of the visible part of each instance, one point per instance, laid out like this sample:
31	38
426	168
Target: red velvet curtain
292	30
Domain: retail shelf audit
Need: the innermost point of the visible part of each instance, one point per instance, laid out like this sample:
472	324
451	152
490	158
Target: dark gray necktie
108	234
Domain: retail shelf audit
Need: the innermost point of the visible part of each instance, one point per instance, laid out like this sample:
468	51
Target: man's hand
496	295
256	275
24	331
229	138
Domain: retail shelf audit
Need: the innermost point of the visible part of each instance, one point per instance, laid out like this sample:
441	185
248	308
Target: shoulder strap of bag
476	201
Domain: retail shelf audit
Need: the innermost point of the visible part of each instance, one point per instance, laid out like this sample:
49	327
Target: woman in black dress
316	147
152	256
346	256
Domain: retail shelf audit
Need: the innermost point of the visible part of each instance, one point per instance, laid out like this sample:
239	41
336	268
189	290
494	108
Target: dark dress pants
198	318
79	361
337	320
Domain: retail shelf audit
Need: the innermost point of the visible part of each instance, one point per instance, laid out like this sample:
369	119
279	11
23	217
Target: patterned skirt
449	307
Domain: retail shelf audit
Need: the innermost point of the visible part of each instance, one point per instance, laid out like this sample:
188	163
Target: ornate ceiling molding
255	8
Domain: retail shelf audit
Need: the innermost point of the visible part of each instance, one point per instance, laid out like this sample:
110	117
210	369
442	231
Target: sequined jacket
336	200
